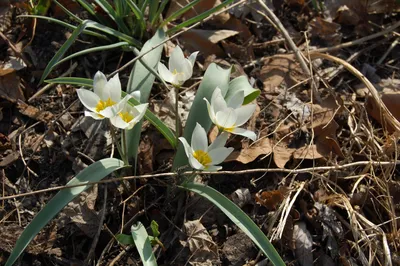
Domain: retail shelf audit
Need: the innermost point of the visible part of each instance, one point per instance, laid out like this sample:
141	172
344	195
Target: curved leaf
242	84
92	173
215	76
239	217
143	246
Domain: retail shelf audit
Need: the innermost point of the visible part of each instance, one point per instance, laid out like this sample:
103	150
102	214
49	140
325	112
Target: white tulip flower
104	98
229	116
204	157
128	116
179	68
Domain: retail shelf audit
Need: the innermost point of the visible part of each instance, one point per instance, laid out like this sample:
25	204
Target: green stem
177	120
119	148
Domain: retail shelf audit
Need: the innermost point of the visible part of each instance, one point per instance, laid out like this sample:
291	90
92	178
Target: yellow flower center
175	72
202	157
127	117
227	129
101	105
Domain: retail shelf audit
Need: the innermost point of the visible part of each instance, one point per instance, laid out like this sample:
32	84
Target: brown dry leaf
271	199
391	100
303	242
278	69
35	113
10	89
326	31
250	153
282	154
200	243
12	65
204	41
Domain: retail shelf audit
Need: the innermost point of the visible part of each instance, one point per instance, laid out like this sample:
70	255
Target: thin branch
241	172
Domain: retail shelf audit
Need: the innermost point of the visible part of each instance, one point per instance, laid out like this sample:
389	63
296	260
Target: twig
241	172
388	51
50	85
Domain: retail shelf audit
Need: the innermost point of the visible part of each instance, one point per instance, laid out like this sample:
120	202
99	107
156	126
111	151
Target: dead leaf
198	40
249	154
241	196
200	243
271	199
391	100
10	87
199	8
238	249
280	68
12	65
35	113
282	154
327	31
303	243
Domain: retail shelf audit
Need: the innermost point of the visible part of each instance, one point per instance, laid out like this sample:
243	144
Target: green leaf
69	13
237	216
143	245
113	15
92	173
85	24
179	12
92	50
141	79
152	118
138	13
125	239
90	9
242	84
159	11
215	76
154	228
200	17
72	27
42	7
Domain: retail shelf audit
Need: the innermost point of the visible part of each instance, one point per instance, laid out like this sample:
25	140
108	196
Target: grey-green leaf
143	245
141	79
92	173
242	84
215	76
239	217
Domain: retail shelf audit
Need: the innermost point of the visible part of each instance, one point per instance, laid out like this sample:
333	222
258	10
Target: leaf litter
337	216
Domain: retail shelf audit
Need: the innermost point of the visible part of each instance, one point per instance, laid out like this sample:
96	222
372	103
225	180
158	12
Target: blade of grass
153	6
149	116
92	173
143	246
199	17
138	13
86	23
179	12
89	8
69	13
215	76
67	25
113	15
239	217
92	50
159	11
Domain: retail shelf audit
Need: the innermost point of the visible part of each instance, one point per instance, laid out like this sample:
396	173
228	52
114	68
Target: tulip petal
94	115
199	138
219	142
244	113
211	113
165	73
245	133
136	95
195	164
217	101
109	111
118	122
88	98
213	168
219	155
226	118
99	81
176	58
237	100
113	89
140	111
192	58
188	149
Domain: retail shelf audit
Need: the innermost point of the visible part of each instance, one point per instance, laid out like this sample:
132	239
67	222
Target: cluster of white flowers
106	102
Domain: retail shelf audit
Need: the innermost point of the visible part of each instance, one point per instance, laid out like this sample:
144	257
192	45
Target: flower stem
177	120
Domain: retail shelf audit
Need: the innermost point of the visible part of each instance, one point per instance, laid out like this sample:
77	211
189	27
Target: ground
321	181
